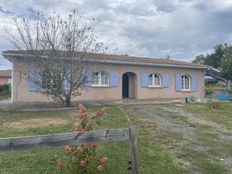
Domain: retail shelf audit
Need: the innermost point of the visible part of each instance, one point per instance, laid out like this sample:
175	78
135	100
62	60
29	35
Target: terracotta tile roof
117	58
5	73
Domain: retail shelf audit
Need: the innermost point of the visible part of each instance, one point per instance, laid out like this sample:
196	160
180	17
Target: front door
125	86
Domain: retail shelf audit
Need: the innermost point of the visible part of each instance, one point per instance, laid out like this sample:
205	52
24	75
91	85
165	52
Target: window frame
99	79
153	80
183	82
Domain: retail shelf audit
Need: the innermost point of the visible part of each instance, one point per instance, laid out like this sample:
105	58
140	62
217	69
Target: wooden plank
134	150
55	140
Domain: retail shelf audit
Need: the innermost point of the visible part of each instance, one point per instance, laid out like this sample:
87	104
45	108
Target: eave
9	56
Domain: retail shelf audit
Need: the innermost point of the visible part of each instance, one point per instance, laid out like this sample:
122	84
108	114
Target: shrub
5	89
213	105
230	91
84	158
208	90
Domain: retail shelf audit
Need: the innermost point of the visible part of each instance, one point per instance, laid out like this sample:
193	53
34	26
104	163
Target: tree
57	52
214	59
200	59
226	63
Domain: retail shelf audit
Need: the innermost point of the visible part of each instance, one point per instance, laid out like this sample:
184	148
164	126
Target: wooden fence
74	138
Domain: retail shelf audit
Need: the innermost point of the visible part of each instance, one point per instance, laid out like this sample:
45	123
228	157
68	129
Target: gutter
146	64
10	55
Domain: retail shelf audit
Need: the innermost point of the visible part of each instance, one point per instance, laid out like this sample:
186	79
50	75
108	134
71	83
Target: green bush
214	105
230	91
5	89
208	90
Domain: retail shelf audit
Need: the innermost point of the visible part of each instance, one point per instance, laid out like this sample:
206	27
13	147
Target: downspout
12	82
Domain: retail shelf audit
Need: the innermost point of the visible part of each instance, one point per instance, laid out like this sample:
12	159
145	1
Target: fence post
134	150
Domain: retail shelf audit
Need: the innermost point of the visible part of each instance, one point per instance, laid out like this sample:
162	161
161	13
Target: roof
116	59
5	73
215	73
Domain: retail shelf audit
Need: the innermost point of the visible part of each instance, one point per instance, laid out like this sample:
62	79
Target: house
5	77
121	77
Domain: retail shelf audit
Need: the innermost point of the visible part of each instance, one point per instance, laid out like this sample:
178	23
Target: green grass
153	158
202	164
161	150
201	148
4	96
13	116
221	116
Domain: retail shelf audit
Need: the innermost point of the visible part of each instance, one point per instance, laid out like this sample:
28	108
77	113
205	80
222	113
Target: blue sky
153	28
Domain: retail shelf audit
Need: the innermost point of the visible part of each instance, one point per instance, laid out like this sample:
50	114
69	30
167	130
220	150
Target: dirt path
200	145
196	120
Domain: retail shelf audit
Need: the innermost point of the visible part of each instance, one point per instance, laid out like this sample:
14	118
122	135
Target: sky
181	29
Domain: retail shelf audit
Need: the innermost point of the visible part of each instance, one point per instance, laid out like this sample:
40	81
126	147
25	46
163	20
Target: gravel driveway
202	146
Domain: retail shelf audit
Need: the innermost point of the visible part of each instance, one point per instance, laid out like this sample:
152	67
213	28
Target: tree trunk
68	102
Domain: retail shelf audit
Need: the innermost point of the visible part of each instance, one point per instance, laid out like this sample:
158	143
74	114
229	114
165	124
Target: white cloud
180	28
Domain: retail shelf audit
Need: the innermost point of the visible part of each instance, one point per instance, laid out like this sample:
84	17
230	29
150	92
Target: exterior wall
22	94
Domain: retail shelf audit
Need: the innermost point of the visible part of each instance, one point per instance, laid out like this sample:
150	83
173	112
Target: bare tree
57	52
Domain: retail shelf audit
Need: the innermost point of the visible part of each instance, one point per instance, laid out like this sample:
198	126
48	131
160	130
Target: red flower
103	160
60	164
80	150
99	168
83	116
89	158
68	148
82	163
98	114
101	112
82	108
85	146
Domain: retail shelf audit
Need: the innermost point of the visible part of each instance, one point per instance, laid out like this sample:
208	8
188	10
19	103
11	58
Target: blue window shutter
194	83
66	85
144	80
165	80
88	79
178	82
33	79
114	79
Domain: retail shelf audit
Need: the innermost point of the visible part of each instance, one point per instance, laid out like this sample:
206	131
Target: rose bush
84	158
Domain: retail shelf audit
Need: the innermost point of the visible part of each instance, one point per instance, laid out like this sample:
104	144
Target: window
185	85
154	80
100	79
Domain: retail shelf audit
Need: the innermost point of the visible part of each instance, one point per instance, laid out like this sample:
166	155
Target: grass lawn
153	157
221	116
173	139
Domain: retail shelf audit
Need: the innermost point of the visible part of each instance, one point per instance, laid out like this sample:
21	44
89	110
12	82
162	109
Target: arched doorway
129	85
